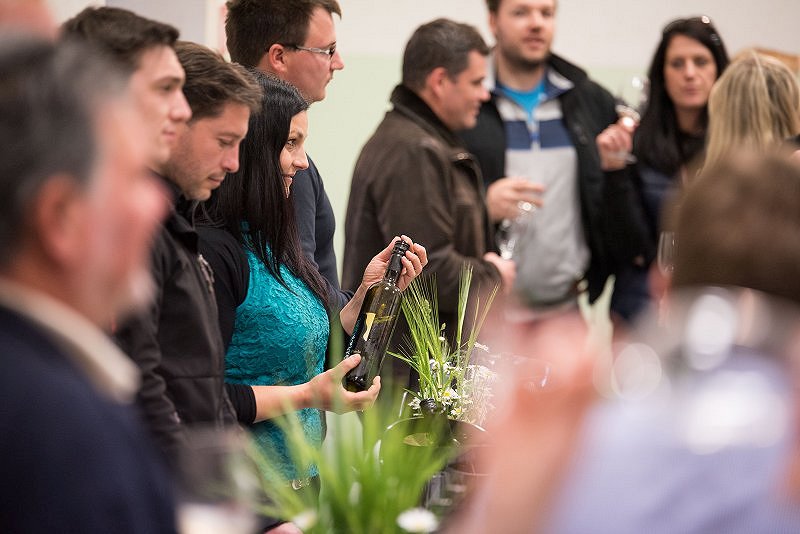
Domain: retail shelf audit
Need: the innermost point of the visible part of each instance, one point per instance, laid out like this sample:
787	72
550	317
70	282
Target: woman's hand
415	259
614	144
327	393
324	392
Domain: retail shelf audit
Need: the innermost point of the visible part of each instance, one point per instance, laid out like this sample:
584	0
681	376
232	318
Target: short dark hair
119	32
47	99
212	82
439	43
253	26
736	225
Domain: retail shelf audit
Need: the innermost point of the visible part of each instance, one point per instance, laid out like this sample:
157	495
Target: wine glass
511	230
666	253
631	99
218	486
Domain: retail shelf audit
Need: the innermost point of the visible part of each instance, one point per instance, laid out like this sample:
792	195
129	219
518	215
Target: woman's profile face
293	155
689	73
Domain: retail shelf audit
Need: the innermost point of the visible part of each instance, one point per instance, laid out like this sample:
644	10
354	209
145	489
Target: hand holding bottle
377	317
328	393
322	392
413	262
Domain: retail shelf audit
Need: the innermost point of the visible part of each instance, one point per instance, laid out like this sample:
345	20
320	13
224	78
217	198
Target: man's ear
493	23
274	60
436	80
59	214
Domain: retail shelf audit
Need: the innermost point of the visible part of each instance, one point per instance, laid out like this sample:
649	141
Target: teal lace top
279	338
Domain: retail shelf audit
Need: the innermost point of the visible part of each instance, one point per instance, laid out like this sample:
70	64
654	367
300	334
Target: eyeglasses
330	51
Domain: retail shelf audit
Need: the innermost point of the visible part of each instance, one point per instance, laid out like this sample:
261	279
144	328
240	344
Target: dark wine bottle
375	324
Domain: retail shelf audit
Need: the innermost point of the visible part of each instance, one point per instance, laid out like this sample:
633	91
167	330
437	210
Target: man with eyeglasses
534	141
295	40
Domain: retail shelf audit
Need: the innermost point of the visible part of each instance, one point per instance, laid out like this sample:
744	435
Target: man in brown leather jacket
414	176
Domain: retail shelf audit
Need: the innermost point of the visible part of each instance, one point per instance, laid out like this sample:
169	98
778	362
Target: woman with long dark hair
273	303
667	145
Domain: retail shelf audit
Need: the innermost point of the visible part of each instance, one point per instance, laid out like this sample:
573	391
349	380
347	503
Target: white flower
482	347
305	519
417	520
449	396
414	404
434	364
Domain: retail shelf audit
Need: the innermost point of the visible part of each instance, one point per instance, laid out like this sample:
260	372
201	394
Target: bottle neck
394	269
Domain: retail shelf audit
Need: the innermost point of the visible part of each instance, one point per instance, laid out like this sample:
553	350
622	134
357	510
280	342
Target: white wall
604	33
610	38
64	9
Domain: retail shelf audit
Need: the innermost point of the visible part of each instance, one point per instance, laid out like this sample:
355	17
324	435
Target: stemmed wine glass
511	230
631	99
666	253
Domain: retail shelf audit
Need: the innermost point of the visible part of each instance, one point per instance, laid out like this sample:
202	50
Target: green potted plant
450	383
376	473
369	484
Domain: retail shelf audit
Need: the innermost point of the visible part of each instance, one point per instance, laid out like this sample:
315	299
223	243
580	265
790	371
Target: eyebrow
170	79
298	133
232	135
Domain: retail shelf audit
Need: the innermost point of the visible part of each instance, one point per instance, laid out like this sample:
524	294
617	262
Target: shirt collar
410	104
91	350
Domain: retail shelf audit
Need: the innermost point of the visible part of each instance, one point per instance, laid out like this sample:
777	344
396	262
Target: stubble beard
518	63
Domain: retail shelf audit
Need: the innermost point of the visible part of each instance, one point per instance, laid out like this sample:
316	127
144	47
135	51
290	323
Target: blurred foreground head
737	225
77	206
27	16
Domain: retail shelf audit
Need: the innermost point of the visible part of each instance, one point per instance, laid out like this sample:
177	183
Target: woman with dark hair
273	303
667	145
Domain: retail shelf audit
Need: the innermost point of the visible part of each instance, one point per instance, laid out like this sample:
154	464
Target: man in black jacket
177	343
535	143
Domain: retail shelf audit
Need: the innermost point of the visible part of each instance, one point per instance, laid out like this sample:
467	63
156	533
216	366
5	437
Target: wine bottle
375	324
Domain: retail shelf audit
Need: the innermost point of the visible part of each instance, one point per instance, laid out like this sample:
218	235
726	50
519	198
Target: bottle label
369	318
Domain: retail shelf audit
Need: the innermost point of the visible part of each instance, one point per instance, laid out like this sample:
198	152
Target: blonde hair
755	105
